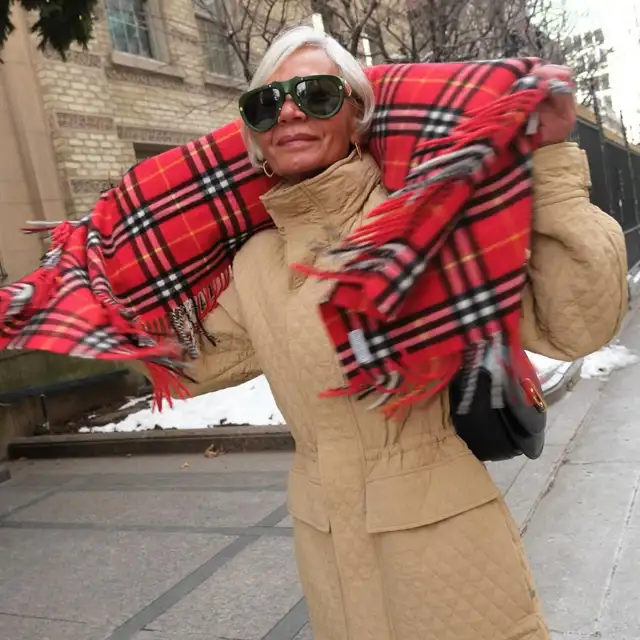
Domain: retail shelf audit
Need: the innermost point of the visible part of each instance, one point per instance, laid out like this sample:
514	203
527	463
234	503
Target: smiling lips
293	139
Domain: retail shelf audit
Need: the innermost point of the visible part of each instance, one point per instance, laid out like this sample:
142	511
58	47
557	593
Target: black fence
615	178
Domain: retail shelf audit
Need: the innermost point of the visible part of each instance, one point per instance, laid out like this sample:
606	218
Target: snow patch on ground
603	363
251	403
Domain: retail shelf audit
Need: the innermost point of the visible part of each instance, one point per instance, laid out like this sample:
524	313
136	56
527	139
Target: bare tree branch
412	30
446	30
249	26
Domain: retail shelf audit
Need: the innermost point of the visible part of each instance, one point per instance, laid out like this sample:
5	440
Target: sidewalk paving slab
97	578
154	509
572	555
233	604
26	628
584	536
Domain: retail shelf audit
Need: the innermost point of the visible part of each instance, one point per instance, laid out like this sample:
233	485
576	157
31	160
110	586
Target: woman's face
299	145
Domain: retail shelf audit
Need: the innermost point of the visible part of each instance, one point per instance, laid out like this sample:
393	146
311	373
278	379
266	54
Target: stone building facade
147	83
156	75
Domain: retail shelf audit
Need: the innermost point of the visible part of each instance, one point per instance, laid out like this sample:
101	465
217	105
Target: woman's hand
558	113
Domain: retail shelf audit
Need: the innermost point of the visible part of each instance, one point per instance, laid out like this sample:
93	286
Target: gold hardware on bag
534	395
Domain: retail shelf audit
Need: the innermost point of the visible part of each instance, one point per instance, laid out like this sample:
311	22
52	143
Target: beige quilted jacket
400	532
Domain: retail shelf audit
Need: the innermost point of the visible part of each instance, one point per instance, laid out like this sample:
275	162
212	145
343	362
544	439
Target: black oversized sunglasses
319	96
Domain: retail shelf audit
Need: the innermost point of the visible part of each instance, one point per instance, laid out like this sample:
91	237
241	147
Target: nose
290	111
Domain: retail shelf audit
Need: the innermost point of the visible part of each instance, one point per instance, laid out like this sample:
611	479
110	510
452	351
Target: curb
229	439
169	441
535	478
561	383
633	279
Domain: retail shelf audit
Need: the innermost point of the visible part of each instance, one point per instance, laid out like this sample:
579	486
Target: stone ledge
149	65
226	82
91	186
166	441
84	121
157	136
81	58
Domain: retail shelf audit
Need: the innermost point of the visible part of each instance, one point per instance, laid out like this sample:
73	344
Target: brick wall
101	103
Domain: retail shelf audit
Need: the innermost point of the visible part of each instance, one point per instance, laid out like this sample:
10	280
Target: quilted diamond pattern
464	577
439	558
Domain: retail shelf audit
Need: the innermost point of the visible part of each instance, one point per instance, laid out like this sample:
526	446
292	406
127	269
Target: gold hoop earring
267	169
358	150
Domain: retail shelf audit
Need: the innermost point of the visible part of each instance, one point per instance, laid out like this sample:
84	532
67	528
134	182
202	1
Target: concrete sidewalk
584	537
192	548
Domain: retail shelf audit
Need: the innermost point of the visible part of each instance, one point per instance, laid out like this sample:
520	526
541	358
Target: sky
600	9
620	22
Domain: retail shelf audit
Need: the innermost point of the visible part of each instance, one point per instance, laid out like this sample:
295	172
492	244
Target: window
219	58
608	103
588	37
143	150
604	82
599	36
326	15
129	27
366	50
317	22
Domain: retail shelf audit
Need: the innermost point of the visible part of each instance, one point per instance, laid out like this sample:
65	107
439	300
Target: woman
399	531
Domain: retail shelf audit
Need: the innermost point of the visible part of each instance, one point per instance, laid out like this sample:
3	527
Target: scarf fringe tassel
157	343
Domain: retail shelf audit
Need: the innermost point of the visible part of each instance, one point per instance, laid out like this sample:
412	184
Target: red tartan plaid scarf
432	278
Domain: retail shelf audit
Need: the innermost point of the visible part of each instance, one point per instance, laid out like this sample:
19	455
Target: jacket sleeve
231	361
576	296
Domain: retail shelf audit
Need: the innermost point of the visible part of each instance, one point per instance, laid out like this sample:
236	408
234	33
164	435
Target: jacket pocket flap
428	494
306	501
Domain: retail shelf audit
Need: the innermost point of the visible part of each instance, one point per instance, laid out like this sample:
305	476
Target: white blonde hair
288	42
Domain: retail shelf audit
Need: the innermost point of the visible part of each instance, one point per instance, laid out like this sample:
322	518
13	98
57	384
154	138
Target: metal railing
615	179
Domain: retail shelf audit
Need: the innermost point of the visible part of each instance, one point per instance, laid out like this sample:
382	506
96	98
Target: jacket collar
319	212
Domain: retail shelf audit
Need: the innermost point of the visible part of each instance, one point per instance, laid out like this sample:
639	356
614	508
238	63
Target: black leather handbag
515	429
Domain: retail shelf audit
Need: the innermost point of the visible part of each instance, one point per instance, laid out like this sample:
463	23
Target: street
192	548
